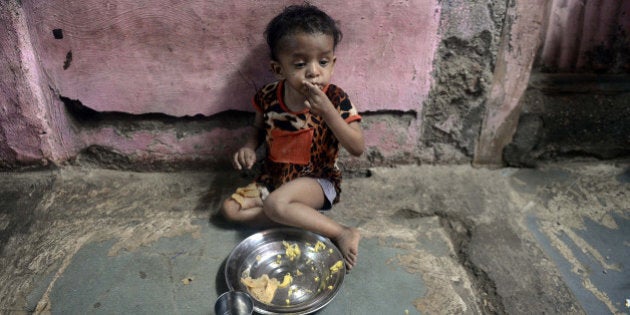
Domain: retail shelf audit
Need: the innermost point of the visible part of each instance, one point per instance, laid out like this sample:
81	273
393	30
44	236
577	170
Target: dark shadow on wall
251	74
254	71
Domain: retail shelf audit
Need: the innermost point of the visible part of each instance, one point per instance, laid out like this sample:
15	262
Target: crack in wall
86	117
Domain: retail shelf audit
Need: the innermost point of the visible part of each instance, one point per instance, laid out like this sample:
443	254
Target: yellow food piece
258	257
319	246
298	272
263	288
286	281
292	250
187	281
330	287
288	301
337	266
249	191
238	198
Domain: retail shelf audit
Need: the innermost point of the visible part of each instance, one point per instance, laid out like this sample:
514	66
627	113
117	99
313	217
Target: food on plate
318	246
263	288
292	250
286	281
337	266
288	271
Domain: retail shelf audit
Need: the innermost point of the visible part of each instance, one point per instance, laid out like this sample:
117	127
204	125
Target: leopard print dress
300	144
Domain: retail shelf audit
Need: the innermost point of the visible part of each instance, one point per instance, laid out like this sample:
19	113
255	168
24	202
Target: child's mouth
318	85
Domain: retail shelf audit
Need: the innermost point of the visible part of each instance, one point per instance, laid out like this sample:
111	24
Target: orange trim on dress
256	106
353	118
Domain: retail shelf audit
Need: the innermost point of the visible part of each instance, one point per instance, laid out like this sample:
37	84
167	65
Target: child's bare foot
348	243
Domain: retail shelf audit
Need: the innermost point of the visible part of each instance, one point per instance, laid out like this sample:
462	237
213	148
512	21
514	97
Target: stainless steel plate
314	284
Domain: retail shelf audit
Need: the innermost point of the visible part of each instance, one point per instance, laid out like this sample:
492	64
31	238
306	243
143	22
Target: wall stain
68	61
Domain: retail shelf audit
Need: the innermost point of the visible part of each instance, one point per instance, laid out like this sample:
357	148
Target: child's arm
245	157
350	135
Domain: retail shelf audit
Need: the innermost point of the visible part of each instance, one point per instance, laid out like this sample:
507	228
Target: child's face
305	57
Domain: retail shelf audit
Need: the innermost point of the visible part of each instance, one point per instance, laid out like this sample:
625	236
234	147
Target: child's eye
323	62
299	64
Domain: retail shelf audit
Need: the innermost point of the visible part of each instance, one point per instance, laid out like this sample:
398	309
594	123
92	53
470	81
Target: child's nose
312	70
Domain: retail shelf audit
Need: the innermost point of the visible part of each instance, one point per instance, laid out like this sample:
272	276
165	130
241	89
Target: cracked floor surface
436	240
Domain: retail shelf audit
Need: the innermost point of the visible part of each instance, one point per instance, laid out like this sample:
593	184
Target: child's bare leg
295	204
250	214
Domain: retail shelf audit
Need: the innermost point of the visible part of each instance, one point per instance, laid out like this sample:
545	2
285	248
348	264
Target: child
303	119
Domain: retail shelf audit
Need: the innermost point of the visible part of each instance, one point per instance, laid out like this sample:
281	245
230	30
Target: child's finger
312	88
251	159
244	160
309	85
235	162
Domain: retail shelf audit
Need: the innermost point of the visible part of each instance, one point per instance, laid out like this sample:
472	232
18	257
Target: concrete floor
436	240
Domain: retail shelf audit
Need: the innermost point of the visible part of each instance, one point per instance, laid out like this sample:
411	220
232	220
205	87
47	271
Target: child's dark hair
300	18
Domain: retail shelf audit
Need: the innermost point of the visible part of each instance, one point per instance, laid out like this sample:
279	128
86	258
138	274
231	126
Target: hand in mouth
318	85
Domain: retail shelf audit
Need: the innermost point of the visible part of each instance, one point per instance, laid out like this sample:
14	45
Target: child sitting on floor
303	119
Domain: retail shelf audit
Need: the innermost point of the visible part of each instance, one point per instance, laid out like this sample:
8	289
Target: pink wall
33	127
184	58
203	57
